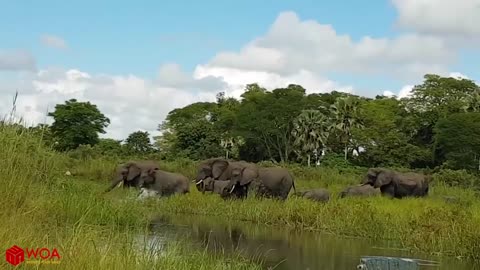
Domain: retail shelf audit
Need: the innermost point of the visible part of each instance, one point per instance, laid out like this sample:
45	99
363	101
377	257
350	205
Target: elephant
129	173
216	186
318	194
163	182
364	190
221	169
396	184
271	182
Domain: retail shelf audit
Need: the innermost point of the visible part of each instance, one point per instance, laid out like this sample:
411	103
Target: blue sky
189	50
135	37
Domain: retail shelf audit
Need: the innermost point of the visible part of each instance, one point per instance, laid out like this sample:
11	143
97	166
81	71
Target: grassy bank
40	207
429	224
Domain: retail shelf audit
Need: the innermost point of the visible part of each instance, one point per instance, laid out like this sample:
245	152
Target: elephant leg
388	190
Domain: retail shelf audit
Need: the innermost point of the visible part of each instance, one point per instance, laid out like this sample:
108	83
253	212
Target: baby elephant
318	195
216	186
163	182
364	190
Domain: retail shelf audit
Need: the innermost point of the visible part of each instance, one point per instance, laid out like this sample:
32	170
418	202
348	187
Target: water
280	248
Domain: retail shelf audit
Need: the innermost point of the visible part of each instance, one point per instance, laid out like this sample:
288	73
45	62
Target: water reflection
280	248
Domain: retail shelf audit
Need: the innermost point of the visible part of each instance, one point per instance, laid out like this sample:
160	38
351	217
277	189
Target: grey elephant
163	182
221	169
362	190
396	184
271	182
129	173
318	194
215	186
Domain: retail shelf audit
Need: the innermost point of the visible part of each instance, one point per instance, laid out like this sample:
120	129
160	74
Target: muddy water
280	248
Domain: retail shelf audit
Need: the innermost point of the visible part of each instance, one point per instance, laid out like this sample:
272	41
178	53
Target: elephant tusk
232	189
199	182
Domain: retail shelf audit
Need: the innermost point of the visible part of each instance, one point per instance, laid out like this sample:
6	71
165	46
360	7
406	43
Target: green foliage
39	206
139	143
77	123
311	130
457	141
385	143
273	114
460	178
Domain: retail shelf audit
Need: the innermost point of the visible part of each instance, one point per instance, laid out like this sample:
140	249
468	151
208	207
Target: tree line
437	126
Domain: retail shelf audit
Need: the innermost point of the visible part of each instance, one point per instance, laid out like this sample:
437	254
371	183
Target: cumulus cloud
172	75
16	60
440	17
292	51
237	79
132	103
53	41
292	44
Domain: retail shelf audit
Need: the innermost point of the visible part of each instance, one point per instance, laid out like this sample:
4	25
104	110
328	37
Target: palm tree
346	115
311	129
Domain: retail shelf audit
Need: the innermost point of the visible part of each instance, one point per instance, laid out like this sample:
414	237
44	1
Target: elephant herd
235	179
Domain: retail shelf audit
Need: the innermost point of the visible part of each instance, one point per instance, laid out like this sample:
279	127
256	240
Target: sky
139	60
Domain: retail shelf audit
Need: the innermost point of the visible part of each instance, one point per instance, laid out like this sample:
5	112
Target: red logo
16	255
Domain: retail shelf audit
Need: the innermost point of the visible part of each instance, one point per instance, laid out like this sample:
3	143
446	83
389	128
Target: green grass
40	207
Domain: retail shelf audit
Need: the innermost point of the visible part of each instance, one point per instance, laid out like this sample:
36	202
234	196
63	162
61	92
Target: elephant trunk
114	184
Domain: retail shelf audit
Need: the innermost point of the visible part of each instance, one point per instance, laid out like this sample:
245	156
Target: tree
434	99
190	132
268	117
139	142
346	114
457	141
77	123
384	139
311	131
107	146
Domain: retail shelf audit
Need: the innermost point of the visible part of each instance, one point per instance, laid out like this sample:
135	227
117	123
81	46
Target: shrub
459	178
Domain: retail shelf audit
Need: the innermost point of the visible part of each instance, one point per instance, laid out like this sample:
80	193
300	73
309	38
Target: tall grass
41	207
429	224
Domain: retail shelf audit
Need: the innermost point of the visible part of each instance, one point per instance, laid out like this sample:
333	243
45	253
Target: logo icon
15	255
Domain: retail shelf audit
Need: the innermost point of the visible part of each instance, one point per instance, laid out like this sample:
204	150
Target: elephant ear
383	178
248	175
218	167
133	171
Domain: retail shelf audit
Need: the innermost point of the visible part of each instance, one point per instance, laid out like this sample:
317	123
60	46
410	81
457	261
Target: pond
280	248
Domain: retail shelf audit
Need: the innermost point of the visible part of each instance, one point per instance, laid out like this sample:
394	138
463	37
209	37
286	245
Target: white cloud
293	51
388	93
53	41
16	60
172	75
131	103
440	17
291	45
458	75
237	79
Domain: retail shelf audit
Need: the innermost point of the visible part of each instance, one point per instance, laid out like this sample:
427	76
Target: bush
460	178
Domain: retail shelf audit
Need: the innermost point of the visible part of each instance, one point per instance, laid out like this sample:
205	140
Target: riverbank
40	207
